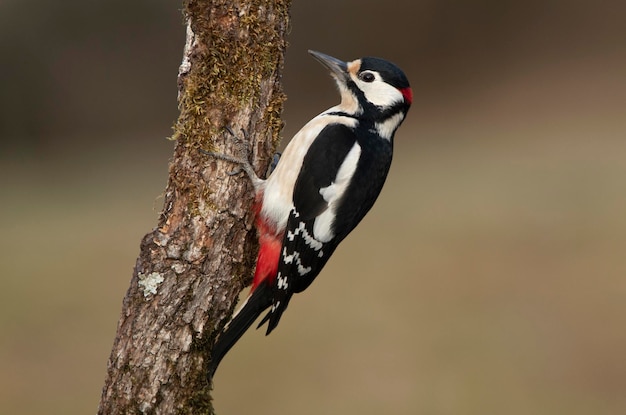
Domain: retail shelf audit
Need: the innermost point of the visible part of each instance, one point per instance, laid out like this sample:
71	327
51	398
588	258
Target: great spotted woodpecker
327	179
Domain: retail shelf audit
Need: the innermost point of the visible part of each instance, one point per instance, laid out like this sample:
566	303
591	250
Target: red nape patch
407	93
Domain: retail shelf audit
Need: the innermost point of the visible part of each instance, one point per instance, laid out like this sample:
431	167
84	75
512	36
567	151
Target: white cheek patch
382	94
379	92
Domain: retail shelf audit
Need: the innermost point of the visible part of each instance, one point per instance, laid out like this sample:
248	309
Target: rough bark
193	265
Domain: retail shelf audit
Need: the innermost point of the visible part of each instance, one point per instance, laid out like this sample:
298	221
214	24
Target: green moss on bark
239	45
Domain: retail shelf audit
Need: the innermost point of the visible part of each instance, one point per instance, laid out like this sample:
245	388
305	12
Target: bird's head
369	86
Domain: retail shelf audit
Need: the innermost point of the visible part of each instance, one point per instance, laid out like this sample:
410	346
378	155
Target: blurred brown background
490	278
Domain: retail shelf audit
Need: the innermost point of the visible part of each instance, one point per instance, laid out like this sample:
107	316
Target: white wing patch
322	228
332	192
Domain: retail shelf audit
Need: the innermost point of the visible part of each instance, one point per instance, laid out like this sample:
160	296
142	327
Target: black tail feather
273	316
260	300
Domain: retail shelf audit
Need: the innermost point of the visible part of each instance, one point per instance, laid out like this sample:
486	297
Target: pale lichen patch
178	268
150	282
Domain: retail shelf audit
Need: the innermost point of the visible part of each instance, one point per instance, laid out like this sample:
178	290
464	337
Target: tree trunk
193	265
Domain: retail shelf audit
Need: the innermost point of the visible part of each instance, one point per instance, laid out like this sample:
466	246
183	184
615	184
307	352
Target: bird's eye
367	77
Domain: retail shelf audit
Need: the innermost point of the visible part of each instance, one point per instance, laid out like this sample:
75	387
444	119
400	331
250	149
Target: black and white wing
326	188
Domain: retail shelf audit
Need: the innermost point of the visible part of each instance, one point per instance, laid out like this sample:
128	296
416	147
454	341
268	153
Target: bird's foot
242	159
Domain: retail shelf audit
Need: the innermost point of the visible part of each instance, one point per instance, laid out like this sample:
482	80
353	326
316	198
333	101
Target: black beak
337	67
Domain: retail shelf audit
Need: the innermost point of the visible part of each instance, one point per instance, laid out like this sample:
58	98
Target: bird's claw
235	172
243	144
242	159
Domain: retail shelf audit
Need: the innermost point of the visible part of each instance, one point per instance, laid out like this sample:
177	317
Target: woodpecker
326	180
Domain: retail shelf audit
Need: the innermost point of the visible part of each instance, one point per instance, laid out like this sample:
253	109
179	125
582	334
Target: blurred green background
490	278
